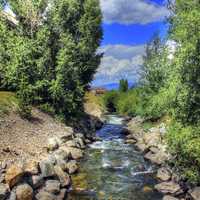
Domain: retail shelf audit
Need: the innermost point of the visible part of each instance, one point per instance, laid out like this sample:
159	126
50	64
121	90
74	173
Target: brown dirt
23	139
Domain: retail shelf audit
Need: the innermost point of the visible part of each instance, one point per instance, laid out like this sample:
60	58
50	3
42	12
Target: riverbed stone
72	166
43	195
62	195
4	191
169	188
47	168
141	146
167	197
62	176
152	138
14	175
195	193
52	144
37	181
74	153
163	174
32	167
24	192
80	143
157	158
130	141
52	186
71	143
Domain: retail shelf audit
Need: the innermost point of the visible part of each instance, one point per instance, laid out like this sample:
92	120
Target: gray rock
195	193
37	181
62	195
72	167
73	153
43	195
169	188
164	174
131	141
62	176
152	139
79	135
47	168
80	143
24	192
13	196
61	155
157	158
167	197
71	143
66	136
52	186
52	144
4	191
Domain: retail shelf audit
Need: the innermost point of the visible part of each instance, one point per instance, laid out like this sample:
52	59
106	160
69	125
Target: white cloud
119	61
132	11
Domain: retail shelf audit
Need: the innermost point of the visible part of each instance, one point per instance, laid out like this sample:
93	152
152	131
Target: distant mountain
115	86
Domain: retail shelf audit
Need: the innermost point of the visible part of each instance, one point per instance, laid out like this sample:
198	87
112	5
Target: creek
113	170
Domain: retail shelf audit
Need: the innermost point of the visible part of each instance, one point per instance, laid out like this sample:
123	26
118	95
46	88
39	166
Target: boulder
47	168
13	195
158	158
43	195
62	195
14	175
4	191
52	186
32	167
74	153
141	146
37	181
195	193
167	197
79	135
72	167
130	141
64	137
61	154
71	143
169	188
24	192
152	139
80	142
52	144
62	176
164	174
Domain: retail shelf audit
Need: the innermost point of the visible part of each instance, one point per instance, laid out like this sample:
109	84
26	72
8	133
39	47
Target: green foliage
50	57
123	85
184	145
110	100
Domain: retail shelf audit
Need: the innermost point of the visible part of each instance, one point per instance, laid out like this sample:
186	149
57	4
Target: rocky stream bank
154	148
47	177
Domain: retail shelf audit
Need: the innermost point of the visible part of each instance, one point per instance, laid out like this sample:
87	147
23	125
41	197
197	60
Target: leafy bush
184	145
47	108
110	100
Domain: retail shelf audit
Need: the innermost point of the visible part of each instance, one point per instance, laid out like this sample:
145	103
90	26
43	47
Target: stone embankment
49	177
154	147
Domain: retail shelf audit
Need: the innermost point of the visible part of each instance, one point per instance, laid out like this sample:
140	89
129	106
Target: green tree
51	56
185	30
123	85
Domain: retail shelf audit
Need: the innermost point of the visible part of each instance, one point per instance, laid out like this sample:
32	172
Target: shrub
110	100
184	145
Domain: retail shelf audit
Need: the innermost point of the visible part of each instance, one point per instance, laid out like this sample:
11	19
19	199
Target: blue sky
128	25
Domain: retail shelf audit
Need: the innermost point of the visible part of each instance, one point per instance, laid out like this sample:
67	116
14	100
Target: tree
123	85
52	52
185	30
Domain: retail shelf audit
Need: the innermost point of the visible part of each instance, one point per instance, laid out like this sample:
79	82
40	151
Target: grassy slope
8	102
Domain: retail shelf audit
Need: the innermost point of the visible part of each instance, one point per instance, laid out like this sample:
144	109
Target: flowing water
113	170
